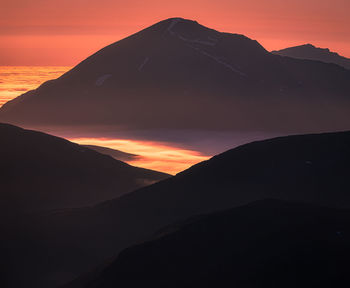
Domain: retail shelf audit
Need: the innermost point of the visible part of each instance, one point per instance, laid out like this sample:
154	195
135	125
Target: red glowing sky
64	32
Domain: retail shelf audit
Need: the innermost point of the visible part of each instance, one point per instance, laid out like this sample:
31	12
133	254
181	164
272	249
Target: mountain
116	154
60	245
269	243
178	74
40	171
309	51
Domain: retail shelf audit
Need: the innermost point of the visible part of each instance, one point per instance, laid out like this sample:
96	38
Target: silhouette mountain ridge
181	70
41	172
311	52
307	168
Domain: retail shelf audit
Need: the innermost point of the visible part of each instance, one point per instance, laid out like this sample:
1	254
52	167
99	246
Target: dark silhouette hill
66	243
39	171
178	74
269	243
310	52
116	154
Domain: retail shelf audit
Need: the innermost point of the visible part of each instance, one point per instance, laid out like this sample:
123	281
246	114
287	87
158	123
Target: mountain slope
310	52
116	154
264	244
40	171
307	168
190	76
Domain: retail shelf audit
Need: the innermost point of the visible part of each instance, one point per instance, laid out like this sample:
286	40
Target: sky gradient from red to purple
64	32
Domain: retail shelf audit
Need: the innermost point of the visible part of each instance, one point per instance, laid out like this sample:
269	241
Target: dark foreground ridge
54	248
41	172
270	243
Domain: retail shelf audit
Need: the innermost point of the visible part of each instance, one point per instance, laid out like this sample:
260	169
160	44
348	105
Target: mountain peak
190	33
178	19
313	47
176	26
311	52
308	45
170	23
175	20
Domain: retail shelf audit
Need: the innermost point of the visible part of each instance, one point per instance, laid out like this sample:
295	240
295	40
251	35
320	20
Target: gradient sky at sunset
64	32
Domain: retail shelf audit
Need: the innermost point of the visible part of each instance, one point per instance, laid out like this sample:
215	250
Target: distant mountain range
178	74
55	247
269	243
310	52
41	172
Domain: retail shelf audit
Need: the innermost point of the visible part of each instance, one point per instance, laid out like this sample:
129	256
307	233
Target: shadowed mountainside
67	243
310	52
39	171
178	74
269	243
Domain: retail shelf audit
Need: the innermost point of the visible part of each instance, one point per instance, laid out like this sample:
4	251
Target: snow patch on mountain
100	80
219	61
211	42
212	39
143	63
172	24
197	41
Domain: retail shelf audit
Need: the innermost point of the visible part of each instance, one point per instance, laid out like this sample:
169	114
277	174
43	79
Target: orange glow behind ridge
152	155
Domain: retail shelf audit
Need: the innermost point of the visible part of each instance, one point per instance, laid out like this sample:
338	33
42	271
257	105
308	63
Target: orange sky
64	32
